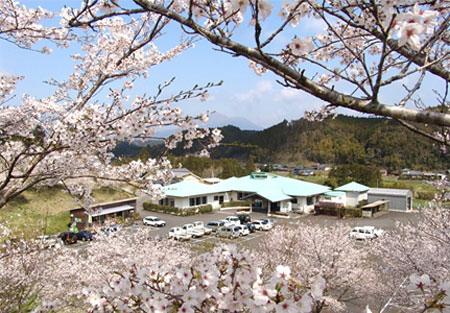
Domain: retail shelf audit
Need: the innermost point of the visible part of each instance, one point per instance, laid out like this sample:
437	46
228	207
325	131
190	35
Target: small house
356	193
98	214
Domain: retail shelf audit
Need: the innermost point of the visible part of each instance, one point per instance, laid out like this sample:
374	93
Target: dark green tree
366	175
144	155
250	165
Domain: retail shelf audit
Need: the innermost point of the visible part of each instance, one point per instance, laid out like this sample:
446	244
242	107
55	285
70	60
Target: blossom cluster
69	135
224	279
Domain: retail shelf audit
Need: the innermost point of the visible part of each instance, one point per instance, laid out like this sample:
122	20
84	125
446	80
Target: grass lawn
46	210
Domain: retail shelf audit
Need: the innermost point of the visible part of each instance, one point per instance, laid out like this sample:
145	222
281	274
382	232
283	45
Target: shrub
425	195
153	207
234	204
352	212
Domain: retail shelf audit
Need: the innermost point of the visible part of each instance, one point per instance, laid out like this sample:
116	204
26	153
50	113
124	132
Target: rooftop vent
258	175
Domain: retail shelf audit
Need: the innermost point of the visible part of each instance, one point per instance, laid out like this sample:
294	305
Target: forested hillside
344	140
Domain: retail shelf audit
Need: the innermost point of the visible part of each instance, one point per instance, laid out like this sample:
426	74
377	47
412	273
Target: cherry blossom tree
311	250
99	264
366	50
415	258
68	136
224	280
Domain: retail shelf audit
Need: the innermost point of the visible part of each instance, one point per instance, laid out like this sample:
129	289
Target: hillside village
261	192
126	186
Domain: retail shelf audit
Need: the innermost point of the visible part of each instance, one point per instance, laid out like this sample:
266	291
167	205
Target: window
167	202
294	200
309	201
216	198
198	201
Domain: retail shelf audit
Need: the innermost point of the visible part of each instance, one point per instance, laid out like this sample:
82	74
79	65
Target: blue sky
243	94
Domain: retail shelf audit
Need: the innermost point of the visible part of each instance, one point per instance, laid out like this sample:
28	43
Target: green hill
344	140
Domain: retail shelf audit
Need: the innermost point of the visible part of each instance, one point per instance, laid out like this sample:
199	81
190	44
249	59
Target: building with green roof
355	193
264	191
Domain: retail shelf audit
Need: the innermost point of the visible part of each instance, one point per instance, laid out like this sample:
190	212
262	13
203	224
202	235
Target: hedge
234	204
425	195
342	212
149	206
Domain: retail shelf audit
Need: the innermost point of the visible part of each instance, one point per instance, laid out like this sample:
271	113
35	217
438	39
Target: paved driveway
385	220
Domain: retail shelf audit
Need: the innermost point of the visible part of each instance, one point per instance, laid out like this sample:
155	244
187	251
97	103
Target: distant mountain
216	120
345	140
220	120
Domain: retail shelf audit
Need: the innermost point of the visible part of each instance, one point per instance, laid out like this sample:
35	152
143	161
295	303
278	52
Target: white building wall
340	199
353	198
363	196
302	205
285	206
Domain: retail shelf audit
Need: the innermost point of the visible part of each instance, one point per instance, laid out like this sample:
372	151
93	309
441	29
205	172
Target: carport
370	209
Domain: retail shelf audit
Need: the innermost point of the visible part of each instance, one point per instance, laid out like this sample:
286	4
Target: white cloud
260	91
290	94
267	104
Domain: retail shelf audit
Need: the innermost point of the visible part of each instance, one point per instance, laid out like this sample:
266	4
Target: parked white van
200	225
178	233
234	220
365	232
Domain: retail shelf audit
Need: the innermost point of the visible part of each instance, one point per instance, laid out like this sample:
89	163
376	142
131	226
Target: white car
267	222
194	232
226	223
233	220
242	229
262	225
365	232
201	225
270	220
178	233
153	221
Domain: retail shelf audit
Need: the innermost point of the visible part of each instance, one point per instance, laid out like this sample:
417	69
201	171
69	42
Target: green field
46	210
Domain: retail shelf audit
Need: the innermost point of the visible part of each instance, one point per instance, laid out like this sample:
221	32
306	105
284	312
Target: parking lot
172	221
386	221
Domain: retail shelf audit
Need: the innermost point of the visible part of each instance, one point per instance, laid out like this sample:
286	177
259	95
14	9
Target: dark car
244	218
250	227
68	237
84	235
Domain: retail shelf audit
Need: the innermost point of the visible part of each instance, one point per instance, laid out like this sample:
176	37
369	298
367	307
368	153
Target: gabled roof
353	186
269	186
334	193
